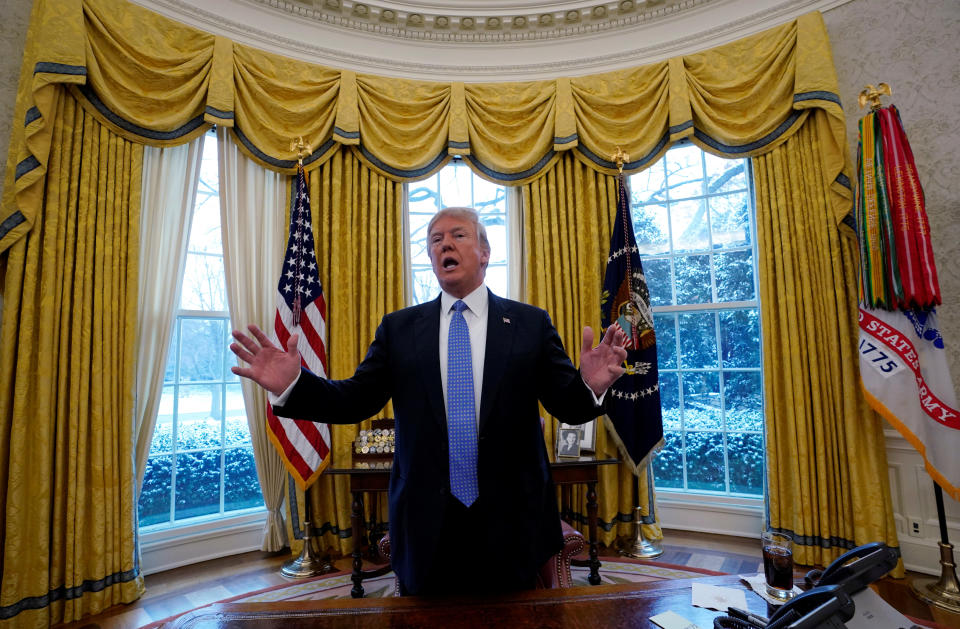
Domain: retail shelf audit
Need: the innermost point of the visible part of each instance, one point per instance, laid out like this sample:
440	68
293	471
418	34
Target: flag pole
309	563
945	591
637	547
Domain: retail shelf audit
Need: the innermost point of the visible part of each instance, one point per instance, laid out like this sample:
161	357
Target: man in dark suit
471	502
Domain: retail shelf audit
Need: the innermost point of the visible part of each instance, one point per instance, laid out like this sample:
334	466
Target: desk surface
587	607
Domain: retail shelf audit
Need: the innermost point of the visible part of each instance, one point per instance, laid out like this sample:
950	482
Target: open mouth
449	263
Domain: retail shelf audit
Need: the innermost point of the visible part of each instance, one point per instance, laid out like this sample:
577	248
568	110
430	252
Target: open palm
600	366
271	367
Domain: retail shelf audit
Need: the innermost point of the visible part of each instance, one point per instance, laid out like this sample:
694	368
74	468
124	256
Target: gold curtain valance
159	82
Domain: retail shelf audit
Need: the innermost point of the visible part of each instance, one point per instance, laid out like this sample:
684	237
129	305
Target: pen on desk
759	621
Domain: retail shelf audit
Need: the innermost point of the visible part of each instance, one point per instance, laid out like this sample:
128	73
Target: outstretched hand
600	366
269	366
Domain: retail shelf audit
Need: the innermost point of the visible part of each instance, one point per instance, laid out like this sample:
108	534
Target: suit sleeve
344	401
560	386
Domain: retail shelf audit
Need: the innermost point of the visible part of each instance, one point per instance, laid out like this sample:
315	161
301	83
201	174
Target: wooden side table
584	469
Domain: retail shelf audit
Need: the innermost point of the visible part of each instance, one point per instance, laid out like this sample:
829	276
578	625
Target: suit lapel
499	343
427	339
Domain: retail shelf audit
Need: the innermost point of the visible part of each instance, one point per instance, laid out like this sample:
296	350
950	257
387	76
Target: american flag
303	445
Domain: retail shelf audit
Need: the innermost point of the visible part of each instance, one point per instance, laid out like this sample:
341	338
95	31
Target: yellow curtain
567	220
827	470
66	397
155	81
357	216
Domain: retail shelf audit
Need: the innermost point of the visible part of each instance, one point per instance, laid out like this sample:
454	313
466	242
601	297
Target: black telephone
828	604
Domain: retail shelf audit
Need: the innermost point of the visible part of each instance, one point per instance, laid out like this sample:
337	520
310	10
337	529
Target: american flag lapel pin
506	319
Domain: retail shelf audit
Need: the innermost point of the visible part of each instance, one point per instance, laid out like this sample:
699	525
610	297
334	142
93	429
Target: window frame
514	249
683	496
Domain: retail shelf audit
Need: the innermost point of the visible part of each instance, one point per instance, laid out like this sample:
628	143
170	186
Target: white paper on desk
872	612
718	598
673	620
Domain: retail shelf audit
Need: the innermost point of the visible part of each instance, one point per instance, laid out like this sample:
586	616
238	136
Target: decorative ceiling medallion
467	21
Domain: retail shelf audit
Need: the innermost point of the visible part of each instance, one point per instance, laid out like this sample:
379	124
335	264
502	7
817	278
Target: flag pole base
308	564
639	547
945	591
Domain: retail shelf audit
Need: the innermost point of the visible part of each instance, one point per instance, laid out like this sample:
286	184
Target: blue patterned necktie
461	417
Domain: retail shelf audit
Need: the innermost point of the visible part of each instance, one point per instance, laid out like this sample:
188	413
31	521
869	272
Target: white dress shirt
476	317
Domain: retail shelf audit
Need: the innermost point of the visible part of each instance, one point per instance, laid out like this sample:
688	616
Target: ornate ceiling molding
492	22
670	28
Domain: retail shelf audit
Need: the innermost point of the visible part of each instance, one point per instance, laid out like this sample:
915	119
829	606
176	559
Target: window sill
168	547
739	516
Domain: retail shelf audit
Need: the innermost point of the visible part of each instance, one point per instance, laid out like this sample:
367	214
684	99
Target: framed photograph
588	434
568	442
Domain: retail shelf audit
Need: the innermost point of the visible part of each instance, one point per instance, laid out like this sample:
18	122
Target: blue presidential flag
633	408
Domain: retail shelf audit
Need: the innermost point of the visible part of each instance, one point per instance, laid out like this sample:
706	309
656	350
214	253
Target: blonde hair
466	213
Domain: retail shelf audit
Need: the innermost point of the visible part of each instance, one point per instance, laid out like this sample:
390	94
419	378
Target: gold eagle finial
302	148
871	95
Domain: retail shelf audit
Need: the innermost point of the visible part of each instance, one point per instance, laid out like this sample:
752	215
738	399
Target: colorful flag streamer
903	365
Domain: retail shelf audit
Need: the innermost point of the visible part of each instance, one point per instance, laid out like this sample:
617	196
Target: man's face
458	258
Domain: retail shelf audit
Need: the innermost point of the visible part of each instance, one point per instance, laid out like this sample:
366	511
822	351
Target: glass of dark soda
778	564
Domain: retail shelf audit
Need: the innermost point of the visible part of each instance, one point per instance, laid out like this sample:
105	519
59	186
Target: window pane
670	400
698	341
202	349
701	400
649	186
489	197
730	220
705	467
456	185
241	489
651	228
497	280
425	285
688	222
170	373
743	398
740	338
162	440
657	274
693	280
154	505
198	484
668	463
734	273
203	283
423	196
419	253
724	175
236	431
665	328
198	416
745	454
496	225
684	172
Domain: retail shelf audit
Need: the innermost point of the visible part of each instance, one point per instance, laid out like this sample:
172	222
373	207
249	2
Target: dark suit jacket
525	362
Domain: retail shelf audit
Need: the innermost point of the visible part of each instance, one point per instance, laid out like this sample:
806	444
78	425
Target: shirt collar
477	301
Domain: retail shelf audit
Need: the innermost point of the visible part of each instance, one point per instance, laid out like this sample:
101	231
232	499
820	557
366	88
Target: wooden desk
628	605
584	469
